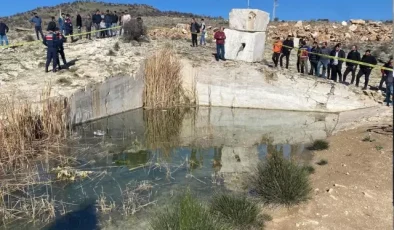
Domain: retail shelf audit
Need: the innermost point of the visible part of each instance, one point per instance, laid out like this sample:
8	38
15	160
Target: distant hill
88	6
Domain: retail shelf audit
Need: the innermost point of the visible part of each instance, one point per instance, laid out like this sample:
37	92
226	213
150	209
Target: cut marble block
249	20
244	46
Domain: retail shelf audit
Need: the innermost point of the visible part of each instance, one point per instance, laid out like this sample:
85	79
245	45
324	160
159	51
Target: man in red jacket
220	37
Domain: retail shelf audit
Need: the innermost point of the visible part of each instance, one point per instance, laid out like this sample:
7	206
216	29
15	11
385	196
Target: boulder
353	27
248	20
344	23
357	21
182	26
243	46
298	24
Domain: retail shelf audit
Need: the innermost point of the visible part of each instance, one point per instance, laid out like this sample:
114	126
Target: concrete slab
115	95
244	46
249	20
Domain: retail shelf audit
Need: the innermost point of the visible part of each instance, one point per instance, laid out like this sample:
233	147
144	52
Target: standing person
79	25
88	23
277	49
304	57
115	19
364	69
203	32
61	39
96	19
68	27
3	33
52	44
220	38
36	20
385	73
102	28
298	55
389	86
350	66
194	29
314	58
323	60
336	64
60	21
121	22
52	23
288	45
108	23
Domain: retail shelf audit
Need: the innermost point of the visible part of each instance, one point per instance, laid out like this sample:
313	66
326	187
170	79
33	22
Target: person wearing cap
60	51
353	55
288	45
365	69
277	50
36	20
3	33
52	44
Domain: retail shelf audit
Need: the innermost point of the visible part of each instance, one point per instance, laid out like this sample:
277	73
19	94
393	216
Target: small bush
322	162
116	46
64	81
379	147
368	139
186	213
134	30
309	168
319	145
280	181
237	210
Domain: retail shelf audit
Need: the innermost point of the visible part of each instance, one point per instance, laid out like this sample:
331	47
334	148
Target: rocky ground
354	190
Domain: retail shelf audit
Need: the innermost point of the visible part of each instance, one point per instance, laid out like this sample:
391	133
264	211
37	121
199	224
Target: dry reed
163	81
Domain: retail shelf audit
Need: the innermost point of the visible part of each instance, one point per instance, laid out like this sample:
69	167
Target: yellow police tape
117	27
344	59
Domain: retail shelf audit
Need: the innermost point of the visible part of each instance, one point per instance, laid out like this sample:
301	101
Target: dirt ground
353	191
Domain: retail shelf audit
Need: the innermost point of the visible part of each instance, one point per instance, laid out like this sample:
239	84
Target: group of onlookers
331	61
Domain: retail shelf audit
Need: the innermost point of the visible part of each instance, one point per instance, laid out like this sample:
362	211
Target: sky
337	10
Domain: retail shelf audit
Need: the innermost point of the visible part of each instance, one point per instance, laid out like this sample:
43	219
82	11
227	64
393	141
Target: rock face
357	21
243	46
245	40
248	20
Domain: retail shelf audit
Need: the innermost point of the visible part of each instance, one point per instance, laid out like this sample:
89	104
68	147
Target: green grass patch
319	145
368	139
280	181
309	168
379	147
322	162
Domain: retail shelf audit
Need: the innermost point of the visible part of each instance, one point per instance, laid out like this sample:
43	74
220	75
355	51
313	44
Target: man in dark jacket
51	24
108	23
52	44
79	25
350	66
336	64
96	19
364	69
288	45
115	19
68	27
3	33
385	73
314	58
61	40
323	60
194	29
389	86
37	25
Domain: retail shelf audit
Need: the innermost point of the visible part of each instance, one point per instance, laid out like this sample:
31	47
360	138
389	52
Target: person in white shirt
203	32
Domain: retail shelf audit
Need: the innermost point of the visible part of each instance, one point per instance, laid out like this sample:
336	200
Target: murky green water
150	156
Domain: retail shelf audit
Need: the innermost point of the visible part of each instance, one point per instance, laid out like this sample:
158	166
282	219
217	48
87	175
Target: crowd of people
331	60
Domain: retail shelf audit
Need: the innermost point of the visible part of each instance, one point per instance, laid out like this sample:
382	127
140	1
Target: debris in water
99	133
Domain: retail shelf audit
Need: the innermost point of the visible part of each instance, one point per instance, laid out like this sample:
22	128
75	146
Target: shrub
309	168
319	145
111	53
322	162
133	30
186	213
116	46
235	209
29	38
280	181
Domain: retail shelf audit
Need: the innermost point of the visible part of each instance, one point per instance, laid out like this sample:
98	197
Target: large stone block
249	20
244	46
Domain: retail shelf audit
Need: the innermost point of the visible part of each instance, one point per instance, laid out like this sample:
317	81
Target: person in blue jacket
37	25
108	23
61	23
52	44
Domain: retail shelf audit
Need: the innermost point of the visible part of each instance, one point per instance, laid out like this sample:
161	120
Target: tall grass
186	213
280	181
163	81
27	130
